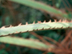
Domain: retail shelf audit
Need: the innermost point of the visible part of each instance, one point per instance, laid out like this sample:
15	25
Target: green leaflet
43	7
25	42
35	27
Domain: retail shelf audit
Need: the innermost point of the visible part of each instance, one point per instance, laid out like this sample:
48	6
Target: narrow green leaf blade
44	7
24	42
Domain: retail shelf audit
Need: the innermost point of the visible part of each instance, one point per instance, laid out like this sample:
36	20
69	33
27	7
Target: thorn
44	21
42	28
66	20
68	27
71	21
17	32
3	27
9	34
11	26
50	28
20	32
34	22
60	20
36	40
20	24
37	29
63	21
39	21
26	23
50	49
49	20
62	27
55	20
33	29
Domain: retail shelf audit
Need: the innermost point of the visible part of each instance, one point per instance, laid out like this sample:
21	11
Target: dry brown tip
20	24
34	22
2	27
49	20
